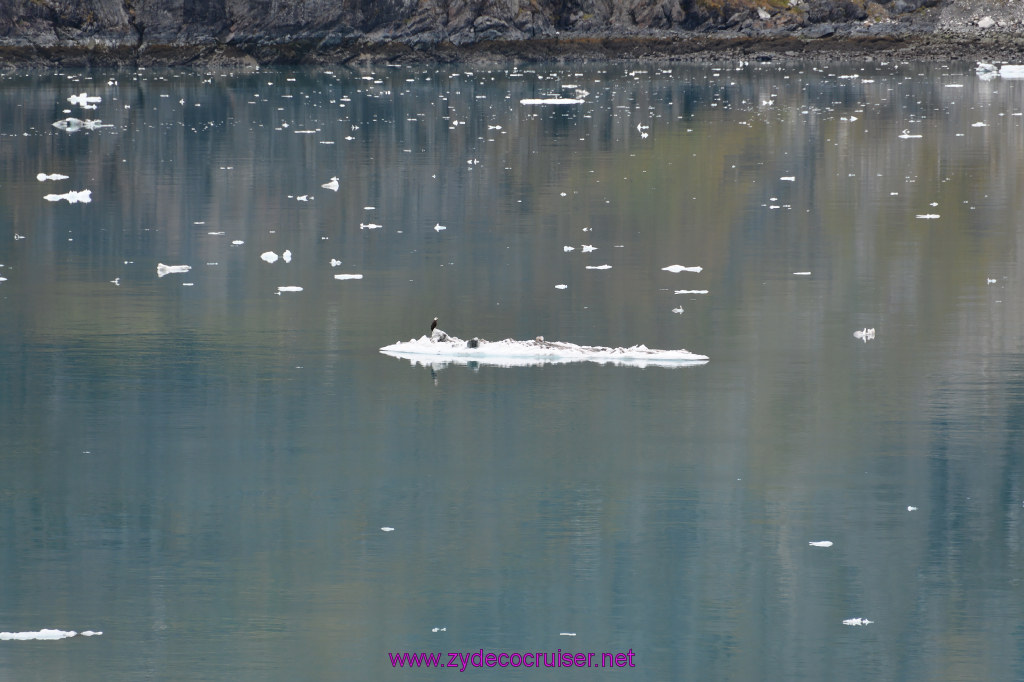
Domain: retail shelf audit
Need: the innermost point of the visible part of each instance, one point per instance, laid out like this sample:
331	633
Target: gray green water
202	472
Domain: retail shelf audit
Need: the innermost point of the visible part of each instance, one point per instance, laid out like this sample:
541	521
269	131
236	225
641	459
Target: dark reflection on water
202	472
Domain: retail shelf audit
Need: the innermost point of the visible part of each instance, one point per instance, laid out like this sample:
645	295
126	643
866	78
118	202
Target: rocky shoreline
81	33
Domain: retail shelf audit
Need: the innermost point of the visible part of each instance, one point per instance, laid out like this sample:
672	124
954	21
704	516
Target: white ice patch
386	529
857	621
269	256
683	268
530	101
788	178
566	634
335	262
346	275
587	248
820	543
911	508
287	289
1011	71
43	177
907	135
692	291
927	216
599	267
865	334
679	310
83	196
438	227
561	286
803	273
333	185
162	269
567	249
511	353
46	634
83	99
286	256
73	125
369	226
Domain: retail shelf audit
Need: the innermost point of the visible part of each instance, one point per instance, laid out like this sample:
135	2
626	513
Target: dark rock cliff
292	31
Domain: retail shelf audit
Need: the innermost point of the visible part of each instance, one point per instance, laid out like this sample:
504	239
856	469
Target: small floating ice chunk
692	291
288	289
599	267
369	226
335	262
857	621
162	269
820	543
269	256
566	634
1011	71
989	280
683	268
531	101
83	196
927	216
788	178
979	124
72	124
911	508
864	334
386	529
678	311
567	249
439	629
286	256
587	248
84	99
38	634
237	242
91	633
347	275
561	286
333	185
804	273
304	197
43	177
438	227
907	135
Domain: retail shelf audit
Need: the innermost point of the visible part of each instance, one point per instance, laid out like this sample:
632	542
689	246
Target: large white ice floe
683	268
162	269
46	634
43	177
82	196
72	124
442	349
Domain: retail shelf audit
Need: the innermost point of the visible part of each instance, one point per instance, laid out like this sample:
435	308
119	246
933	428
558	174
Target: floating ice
346	275
979	124
46	634
989	280
820	543
1011	71
587	248
928	216
599	267
332	185
909	508
864	334
84	99
83	196
286	256
288	289
692	291
678	311
237	242
857	621
269	256
369	226
162	269
567	249
304	197
439	629
438	227
550	100
511	353
566	634
683	268
805	273
335	262
788	178
43	177
906	135
561	286
386	529
72	125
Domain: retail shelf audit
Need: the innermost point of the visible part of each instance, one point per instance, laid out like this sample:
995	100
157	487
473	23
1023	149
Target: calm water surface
200	468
